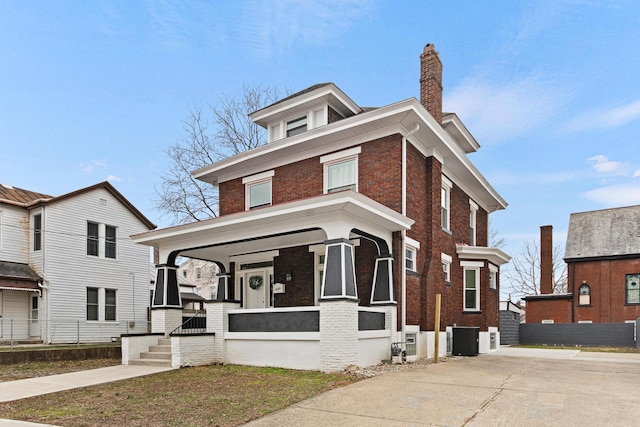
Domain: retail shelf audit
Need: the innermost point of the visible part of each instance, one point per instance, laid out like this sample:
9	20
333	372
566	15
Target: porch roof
299	222
18	277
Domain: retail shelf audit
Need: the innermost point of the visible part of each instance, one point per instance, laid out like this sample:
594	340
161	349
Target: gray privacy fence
584	334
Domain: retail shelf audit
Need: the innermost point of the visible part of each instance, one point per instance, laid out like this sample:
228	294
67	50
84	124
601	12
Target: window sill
632	304
447	231
471	311
585	305
412	273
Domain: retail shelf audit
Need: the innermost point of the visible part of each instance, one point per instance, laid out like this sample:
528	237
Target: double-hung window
471	295
92	304
341	170
446	267
101	304
296	126
411	253
101	240
110	241
37	232
93	238
632	290
445	201
473	222
258	190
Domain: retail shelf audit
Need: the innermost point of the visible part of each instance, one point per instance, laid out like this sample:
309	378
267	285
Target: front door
34	324
256	287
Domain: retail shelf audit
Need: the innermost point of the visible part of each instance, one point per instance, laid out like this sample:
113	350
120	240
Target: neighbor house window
109	242
493	276
93	238
584	294
446	267
445	201
258	190
341	170
294	127
101	304
37	232
473	222
632	294
198	272
471	285
92	303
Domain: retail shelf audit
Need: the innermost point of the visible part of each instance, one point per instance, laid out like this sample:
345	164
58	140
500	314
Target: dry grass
20	371
200	396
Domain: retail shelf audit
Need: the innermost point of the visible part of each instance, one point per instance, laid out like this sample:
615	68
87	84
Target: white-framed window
471	294
584	294
296	126
341	170
101	304
258	190
632	289
411	254
102	240
446	267
445	201
493	276
473	218
37	232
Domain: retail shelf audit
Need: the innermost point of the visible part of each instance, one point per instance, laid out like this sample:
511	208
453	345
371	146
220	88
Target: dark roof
190	296
18	271
604	233
30	199
547	297
20	197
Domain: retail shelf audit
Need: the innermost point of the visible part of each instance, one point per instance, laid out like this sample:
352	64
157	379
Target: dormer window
258	190
294	127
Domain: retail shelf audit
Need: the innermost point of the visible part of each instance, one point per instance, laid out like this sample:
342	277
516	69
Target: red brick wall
366	254
558	310
607	280
300	289
231	197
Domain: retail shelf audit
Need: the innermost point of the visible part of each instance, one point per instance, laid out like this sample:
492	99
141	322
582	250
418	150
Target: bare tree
523	275
227	132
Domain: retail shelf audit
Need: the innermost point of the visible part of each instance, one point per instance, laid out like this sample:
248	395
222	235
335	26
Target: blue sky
94	91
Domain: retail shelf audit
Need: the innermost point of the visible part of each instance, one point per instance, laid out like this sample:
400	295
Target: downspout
404	232
573	289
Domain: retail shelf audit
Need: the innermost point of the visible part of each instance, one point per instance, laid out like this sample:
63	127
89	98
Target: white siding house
91	281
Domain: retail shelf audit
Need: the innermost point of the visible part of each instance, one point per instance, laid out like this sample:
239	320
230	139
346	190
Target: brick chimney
431	82
546	259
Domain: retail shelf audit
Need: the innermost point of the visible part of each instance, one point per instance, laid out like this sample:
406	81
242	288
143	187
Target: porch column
166	307
383	292
338	334
339	280
218	323
224	280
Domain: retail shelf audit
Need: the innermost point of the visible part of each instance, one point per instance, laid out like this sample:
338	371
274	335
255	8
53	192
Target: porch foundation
338	334
218	323
165	320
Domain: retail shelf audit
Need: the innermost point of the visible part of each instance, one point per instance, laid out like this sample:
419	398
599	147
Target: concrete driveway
512	387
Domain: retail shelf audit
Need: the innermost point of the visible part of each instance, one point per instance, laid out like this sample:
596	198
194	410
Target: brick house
334	238
603	263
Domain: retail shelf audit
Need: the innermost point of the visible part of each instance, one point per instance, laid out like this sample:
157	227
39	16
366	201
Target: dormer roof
305	100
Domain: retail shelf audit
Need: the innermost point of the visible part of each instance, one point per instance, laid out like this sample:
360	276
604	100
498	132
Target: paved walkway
513	386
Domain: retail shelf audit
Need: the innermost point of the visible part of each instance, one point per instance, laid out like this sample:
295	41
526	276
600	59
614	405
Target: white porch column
165	320
338	334
218	323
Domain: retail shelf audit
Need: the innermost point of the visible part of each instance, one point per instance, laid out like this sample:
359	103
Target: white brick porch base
338	334
165	320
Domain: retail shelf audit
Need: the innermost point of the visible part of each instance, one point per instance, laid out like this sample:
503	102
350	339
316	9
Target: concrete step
150	362
164	341
160	348
155	355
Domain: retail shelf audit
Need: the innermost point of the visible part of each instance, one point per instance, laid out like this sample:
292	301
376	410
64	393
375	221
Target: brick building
346	211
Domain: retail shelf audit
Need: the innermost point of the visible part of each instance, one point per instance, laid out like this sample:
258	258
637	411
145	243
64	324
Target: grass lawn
216	395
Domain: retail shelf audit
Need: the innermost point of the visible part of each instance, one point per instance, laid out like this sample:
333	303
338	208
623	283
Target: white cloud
605	118
603	165
114	178
615	195
500	111
88	168
636	174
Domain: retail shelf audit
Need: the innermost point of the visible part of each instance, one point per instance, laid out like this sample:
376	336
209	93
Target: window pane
470	279
633	289
92	239
342	176
260	194
110	304
296	126
470	299
92	304
37	232
110	242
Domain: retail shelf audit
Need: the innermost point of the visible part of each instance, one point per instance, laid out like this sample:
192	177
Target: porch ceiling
307	221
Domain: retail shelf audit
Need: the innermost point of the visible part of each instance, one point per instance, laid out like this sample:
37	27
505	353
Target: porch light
288	276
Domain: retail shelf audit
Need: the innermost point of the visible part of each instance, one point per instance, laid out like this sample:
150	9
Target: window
471	285
110	304
184	273
632	294
93	238
258	190
198	272
110	242
92	303
297	126
493	276
445	199
37	232
473	222
446	267
341	170
584	294
410	258
101	304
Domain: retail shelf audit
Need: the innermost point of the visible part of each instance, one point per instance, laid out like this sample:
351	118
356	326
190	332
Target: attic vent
103	202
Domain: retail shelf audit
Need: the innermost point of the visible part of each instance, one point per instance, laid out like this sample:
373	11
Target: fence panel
585	334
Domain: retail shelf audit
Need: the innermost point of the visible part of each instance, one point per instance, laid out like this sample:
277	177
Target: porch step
160	349
150	362
155	355
158	355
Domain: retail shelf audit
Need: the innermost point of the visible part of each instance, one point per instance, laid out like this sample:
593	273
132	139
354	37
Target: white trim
255	257
473	205
447	182
411	242
472	264
447	258
258	176
493	268
341	154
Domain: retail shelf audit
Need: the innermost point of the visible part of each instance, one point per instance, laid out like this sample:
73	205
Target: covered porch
20	300
307	284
